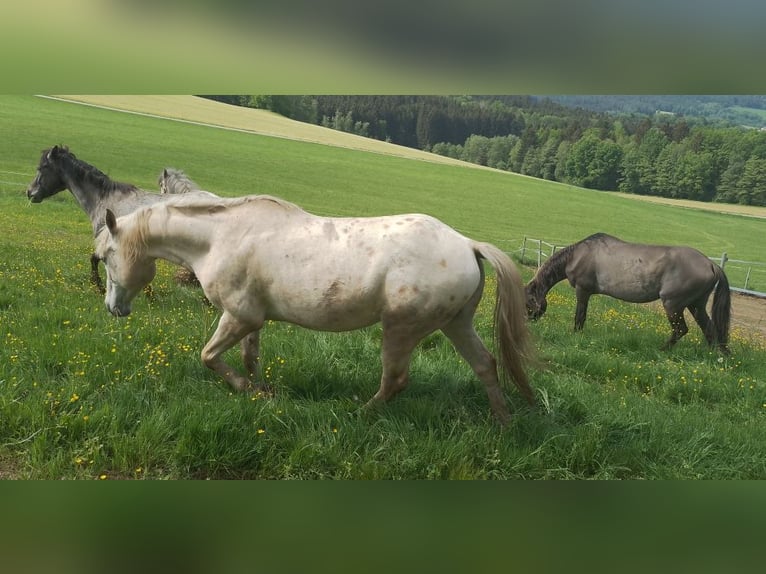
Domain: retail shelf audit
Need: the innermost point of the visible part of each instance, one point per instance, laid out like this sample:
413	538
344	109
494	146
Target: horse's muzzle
33	197
118	311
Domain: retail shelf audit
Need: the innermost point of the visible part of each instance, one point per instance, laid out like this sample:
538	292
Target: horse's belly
633	288
332	308
327	319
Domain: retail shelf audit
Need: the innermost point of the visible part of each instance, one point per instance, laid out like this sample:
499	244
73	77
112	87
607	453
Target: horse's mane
176	181
87	172
134	238
552	270
195	203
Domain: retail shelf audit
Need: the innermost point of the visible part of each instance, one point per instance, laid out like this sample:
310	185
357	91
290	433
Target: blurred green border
338	46
381	526
97	46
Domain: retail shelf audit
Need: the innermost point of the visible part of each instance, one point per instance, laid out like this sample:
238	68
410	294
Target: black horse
681	277
94	191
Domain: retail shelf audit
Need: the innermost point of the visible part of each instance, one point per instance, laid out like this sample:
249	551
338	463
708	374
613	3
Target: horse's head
536	301
49	179
128	268
162	181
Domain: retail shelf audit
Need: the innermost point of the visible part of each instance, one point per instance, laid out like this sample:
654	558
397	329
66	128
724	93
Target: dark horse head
49	179
536	301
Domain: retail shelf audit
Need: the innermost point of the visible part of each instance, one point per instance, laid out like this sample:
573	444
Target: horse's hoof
260	390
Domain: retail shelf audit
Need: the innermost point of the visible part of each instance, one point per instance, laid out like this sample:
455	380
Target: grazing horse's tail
721	308
512	339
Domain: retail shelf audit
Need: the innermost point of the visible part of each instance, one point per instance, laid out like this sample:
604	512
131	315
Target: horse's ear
111	221
164	172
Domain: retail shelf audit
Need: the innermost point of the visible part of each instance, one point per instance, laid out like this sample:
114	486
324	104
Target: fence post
747	277
724	259
523	249
539	253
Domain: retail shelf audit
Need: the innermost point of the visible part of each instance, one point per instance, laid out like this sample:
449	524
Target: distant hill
745	110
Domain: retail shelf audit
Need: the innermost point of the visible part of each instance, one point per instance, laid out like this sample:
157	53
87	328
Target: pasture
86	395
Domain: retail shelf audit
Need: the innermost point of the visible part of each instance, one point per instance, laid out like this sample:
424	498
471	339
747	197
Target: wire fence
748	277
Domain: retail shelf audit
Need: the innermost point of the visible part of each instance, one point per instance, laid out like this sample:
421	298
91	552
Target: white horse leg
228	333
251	354
398	345
467	342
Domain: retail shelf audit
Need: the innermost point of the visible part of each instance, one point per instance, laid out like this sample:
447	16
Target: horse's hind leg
467	342
677	323
398	345
700	315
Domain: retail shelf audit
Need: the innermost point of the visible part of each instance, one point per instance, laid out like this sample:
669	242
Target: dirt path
749	313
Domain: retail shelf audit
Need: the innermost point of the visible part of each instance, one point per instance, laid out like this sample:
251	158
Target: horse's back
637	272
344	273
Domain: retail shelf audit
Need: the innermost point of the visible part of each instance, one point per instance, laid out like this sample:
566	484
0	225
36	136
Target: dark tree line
667	155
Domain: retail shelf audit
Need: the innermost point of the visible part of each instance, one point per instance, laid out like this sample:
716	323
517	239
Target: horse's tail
721	312
513	343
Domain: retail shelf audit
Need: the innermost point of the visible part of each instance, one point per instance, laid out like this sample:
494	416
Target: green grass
85	395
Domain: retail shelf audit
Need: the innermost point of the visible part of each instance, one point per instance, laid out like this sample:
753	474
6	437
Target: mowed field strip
206	112
194	109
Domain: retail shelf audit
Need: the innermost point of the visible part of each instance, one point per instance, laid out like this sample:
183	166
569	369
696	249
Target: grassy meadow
86	395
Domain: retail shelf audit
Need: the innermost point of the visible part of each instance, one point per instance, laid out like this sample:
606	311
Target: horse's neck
86	194
179	238
551	272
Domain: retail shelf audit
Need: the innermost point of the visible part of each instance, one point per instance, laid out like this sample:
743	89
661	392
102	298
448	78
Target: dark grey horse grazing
681	277
59	169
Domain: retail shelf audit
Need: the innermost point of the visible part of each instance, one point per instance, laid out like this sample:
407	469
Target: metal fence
748	277
751	275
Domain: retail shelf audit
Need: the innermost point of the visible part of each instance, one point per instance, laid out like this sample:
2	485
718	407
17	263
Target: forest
690	148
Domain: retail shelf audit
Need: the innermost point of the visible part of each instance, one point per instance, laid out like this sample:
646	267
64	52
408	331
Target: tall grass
85	395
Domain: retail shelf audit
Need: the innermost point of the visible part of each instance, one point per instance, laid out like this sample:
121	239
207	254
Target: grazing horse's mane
85	171
554	269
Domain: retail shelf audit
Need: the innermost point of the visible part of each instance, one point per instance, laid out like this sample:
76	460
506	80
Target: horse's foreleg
95	278
581	311
251	349
678	324
228	333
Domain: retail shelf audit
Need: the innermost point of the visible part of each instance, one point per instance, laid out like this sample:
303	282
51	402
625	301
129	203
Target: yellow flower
261	431
102	477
